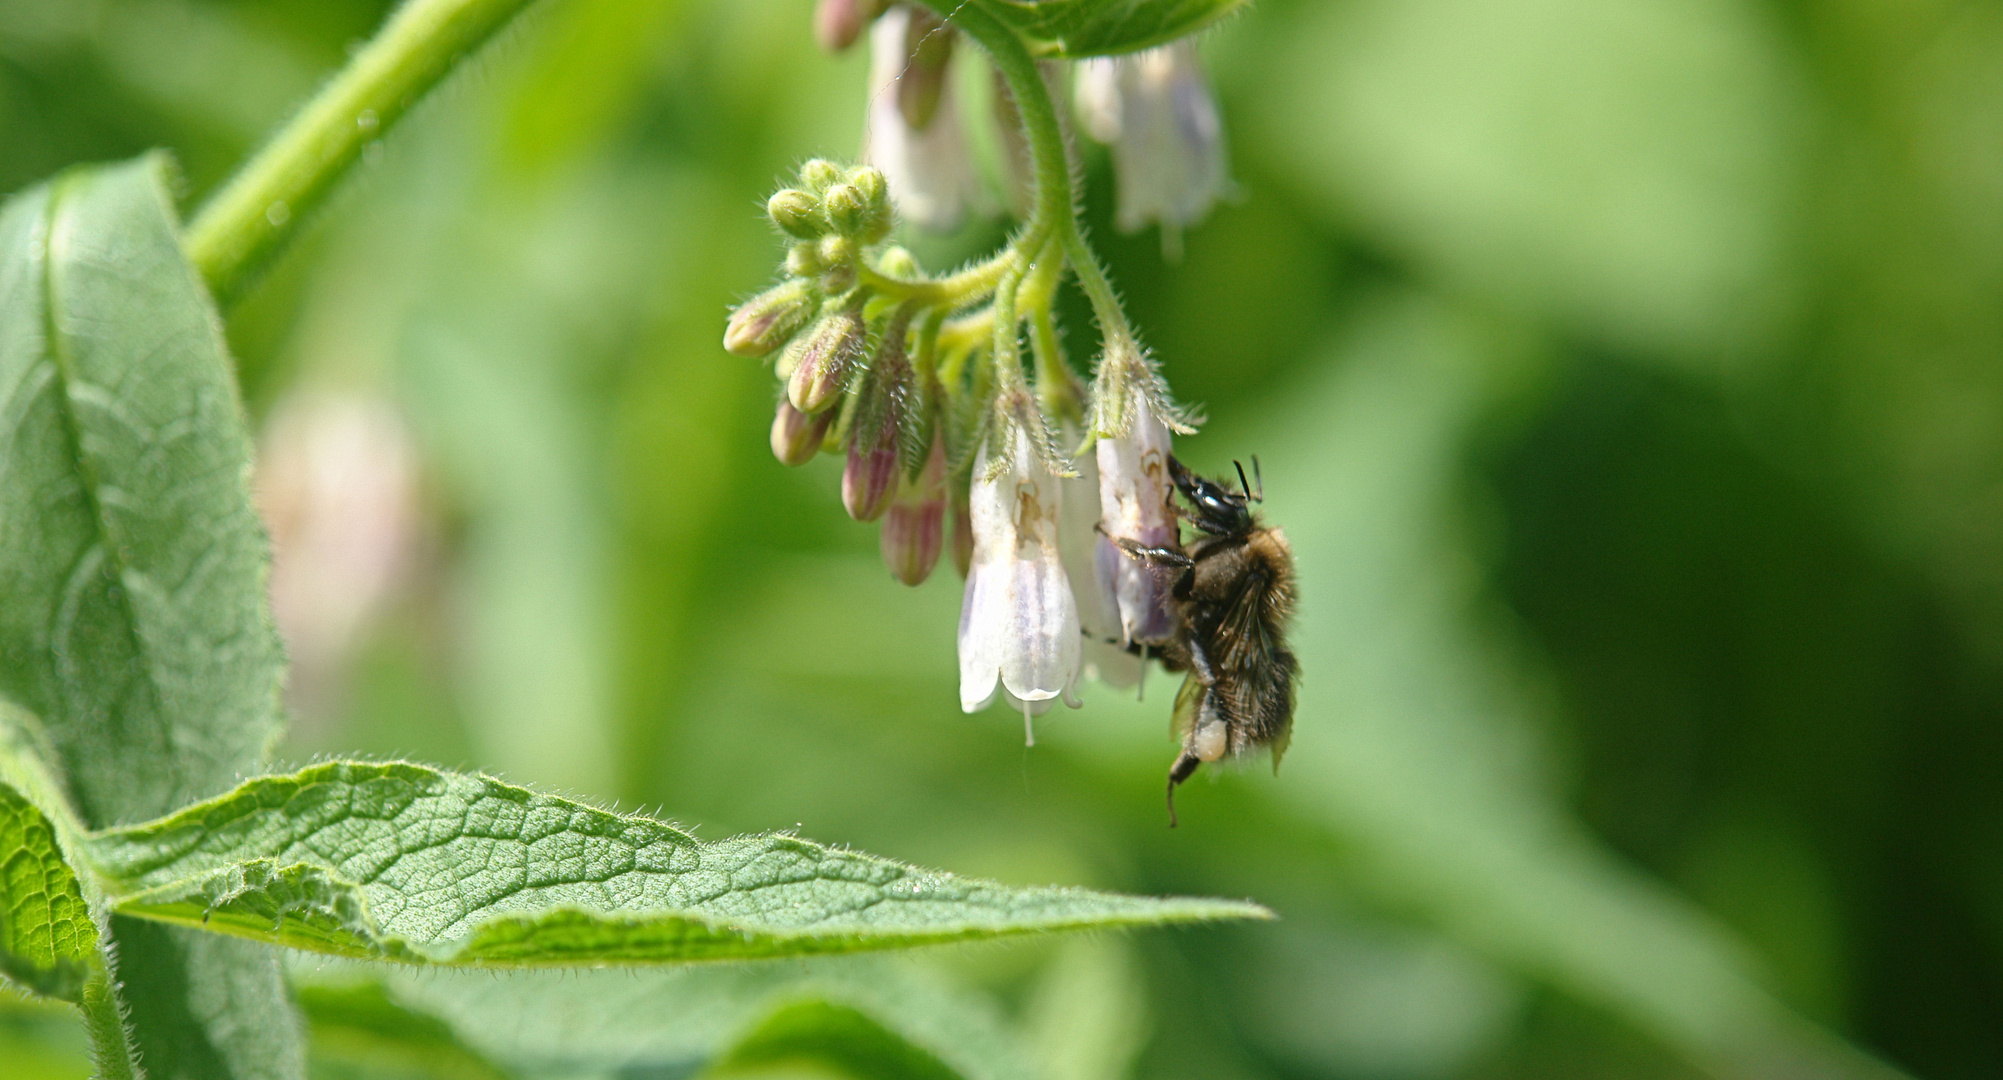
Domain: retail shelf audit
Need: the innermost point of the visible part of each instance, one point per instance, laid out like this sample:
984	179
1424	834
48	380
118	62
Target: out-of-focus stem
242	226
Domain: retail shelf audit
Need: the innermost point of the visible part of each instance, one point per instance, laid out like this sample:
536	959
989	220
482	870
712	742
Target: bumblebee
1232	596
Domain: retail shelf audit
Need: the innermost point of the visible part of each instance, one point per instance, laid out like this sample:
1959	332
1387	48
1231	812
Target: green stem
950	293
110	1044
1007	351
242	226
1056	208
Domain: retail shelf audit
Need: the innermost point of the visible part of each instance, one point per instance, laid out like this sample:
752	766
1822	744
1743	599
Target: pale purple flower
1155	110
1079	539
1134	491
1019	635
931	175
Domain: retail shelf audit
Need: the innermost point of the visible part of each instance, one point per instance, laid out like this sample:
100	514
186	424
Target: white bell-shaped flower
1134	489
1019	635
929	171
1155	109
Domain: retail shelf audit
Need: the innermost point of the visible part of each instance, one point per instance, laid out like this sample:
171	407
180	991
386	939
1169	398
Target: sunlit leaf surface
404	862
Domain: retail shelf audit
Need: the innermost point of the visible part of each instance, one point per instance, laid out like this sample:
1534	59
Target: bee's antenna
1258	482
1242	485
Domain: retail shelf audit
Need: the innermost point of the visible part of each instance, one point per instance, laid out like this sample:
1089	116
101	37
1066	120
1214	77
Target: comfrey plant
923	381
146	880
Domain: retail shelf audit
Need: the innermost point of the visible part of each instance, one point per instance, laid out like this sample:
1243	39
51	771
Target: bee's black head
1214	508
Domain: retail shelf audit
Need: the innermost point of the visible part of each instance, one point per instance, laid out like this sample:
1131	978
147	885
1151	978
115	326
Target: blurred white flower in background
1156	111
337	485
914	133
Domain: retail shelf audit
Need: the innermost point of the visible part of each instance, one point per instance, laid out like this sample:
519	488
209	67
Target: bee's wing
1188	703
1241	641
1261	692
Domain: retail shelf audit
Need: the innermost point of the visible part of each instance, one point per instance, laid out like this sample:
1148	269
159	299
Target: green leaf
47	939
1080	28
676	1021
838	1037
133	572
360	1032
403	862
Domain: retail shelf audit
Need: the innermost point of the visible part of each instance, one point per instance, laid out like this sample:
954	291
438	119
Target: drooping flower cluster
922	383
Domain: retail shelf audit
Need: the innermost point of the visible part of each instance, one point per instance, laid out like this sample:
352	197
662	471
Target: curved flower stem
950	293
242	226
1055	207
1006	355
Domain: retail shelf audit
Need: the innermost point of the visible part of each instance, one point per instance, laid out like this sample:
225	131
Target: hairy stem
246	223
1056	208
110	1043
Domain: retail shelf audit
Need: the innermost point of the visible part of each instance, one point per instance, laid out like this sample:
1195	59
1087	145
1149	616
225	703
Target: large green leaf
133	570
1079	28
47	939
837	1037
403	862
677	1021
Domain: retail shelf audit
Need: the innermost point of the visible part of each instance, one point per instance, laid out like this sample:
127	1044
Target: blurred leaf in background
1624	374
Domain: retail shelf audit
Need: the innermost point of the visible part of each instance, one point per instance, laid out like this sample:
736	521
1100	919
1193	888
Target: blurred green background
1625	373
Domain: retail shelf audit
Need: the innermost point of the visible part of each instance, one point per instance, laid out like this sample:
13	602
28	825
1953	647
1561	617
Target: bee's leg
1199	663
1185	582
1184	767
1155	556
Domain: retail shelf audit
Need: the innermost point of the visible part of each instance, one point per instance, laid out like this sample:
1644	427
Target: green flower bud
869	180
838	256
836	250
877	218
765	322
804	261
822	359
898	262
820	174
797	212
848	210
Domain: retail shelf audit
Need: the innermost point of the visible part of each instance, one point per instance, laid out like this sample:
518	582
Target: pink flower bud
822	358
797	436
870	476
914	527
838	23
768	320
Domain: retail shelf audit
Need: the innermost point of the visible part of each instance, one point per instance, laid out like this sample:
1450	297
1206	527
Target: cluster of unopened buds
949	428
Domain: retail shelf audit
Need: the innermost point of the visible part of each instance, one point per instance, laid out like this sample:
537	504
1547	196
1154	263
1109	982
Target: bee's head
1214	508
